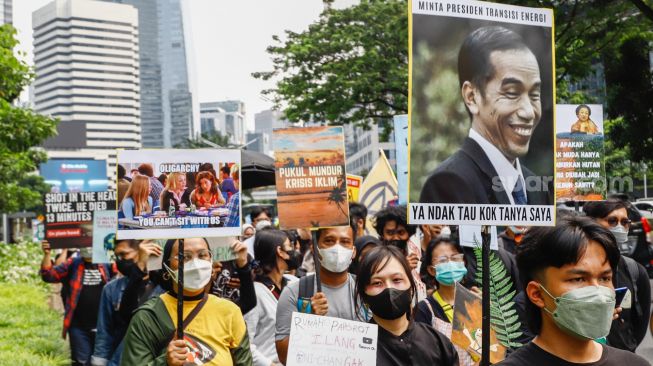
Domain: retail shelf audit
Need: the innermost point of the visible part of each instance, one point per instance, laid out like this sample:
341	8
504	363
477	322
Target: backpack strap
306	291
633	273
189	318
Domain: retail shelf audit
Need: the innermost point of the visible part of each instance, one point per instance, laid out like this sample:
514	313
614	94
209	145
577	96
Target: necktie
518	194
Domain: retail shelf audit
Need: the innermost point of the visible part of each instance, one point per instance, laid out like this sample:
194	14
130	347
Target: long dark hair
375	261
266	243
427	260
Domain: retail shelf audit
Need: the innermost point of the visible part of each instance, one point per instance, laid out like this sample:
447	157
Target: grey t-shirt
340	300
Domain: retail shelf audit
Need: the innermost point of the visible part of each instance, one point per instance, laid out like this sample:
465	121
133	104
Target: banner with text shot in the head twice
69	217
580	165
310	175
323	340
179	194
481	117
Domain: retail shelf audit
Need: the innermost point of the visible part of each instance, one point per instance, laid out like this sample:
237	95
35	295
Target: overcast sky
229	39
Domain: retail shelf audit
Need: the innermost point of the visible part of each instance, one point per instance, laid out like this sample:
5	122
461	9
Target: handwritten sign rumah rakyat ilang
323	340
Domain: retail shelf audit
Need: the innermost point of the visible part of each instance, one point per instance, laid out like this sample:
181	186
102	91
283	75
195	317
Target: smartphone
620	294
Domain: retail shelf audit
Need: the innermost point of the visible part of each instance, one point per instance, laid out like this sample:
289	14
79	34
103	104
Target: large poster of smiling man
481	114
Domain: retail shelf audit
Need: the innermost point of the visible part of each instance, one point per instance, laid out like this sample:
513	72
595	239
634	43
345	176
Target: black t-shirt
532	355
419	345
86	312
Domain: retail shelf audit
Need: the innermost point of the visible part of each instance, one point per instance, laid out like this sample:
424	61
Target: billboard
75	175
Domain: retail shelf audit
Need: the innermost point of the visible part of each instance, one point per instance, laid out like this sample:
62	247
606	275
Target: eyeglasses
204	255
120	256
613	221
453	258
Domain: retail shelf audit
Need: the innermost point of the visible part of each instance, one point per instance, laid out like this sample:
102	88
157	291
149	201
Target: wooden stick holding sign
316	260
180	290
485	353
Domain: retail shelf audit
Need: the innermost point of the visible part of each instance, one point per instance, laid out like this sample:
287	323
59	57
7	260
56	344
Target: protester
175	194
306	248
207	194
216	334
248	232
155	186
392	225
111	328
260	217
629	330
357	218
386	286
443	267
122	184
85	281
137	200
567	272
275	256
336	251
428	233
363	245
227	185
510	238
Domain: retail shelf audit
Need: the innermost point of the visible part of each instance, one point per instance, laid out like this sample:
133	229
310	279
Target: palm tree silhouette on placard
339	195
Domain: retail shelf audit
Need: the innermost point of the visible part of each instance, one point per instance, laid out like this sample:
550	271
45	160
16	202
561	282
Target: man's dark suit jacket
466	177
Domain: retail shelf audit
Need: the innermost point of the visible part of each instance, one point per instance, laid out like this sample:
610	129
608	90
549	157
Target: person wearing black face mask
386	287
276	255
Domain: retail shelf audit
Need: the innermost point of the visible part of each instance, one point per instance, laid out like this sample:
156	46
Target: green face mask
585	312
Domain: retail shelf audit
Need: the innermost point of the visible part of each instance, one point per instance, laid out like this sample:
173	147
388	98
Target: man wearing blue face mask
629	330
567	277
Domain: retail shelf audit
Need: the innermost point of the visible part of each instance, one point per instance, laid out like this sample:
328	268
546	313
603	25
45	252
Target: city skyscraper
226	117
6	12
87	75
169	104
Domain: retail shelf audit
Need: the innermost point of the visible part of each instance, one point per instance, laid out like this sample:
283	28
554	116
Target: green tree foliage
22	130
351	66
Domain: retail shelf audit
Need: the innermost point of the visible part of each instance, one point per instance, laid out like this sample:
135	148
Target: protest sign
353	187
104	235
75	175
580	167
221	248
470	236
467	330
69	217
38	230
323	340
401	153
479	146
192	203
310	177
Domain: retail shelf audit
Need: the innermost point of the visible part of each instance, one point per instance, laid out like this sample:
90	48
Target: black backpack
306	291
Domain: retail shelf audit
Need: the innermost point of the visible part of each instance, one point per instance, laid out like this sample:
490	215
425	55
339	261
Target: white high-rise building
6	12
226	117
87	75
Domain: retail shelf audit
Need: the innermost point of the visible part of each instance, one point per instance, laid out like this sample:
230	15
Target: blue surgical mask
450	273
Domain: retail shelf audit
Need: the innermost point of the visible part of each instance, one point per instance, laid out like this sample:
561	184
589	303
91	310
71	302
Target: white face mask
197	274
620	234
336	259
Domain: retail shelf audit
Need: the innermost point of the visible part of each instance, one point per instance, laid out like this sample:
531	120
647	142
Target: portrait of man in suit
500	85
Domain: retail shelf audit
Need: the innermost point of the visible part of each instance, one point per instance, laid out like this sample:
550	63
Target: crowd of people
404	280
143	193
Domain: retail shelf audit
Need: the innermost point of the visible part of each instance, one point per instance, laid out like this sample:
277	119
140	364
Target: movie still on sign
179	194
310	177
490	152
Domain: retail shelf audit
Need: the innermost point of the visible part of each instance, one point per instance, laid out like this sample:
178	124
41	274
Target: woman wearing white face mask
629	330
214	329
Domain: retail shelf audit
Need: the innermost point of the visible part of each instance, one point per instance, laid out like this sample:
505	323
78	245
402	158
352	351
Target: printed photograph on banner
580	165
104	236
310	176
353	187
323	340
401	148
467	333
69	217
481	113
75	175
178	194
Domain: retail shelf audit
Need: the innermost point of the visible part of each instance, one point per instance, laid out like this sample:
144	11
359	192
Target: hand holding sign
319	304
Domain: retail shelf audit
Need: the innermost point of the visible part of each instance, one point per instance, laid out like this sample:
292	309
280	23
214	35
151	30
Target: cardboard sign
580	166
401	149
221	248
474	158
310	177
104	235
69	217
323	340
353	187
467	327
470	236
184	209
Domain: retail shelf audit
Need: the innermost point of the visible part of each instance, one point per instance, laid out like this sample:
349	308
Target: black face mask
401	244
390	304
295	259
125	266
